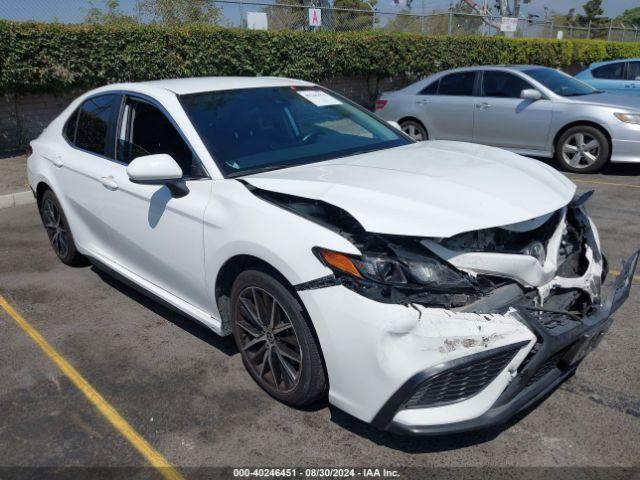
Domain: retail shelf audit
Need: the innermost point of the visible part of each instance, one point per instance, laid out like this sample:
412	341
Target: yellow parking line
615	273
597	182
138	442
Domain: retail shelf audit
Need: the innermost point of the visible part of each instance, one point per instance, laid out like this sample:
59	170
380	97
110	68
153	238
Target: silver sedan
528	109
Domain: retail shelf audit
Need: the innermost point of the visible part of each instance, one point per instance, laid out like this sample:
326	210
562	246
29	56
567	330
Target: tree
631	16
405	22
286	15
112	15
357	20
179	12
592	10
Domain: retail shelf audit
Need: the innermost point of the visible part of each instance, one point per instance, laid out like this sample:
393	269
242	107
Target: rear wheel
60	237
414	129
583	149
275	341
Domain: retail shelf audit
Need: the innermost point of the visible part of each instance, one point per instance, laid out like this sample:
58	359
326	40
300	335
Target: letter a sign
315	17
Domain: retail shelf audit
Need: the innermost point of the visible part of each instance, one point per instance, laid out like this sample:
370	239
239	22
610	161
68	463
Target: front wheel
583	149
275	340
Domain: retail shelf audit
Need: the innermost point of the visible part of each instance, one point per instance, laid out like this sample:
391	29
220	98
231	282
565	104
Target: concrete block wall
24	116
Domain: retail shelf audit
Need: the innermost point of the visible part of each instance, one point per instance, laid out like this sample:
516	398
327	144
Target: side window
502	84
633	71
612	71
457	84
431	89
146	130
96	116
71	125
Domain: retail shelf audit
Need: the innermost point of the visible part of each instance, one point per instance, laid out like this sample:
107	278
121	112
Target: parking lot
185	392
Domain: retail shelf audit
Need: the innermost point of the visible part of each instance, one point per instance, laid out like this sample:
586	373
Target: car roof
494	67
618	60
185	86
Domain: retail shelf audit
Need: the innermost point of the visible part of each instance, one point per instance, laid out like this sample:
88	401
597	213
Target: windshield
560	83
257	129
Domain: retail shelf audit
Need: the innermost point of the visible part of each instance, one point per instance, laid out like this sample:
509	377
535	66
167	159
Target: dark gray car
528	109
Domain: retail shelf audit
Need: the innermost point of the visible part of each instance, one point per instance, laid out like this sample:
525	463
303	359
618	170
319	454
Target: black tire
58	230
575	156
310	382
414	129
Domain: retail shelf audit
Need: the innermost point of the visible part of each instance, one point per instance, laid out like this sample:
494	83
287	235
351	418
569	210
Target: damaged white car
424	287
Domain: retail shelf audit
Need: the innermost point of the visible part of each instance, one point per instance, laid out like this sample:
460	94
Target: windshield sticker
319	98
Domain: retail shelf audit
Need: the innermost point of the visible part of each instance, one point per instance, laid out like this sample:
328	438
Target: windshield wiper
251	171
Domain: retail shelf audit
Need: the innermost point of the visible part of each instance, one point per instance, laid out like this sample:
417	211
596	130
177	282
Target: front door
610	77
153	234
504	119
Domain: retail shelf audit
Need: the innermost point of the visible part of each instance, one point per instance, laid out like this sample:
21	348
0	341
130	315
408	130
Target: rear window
431	89
457	84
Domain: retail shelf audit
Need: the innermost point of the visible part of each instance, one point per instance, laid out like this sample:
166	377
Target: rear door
447	106
611	77
89	146
504	119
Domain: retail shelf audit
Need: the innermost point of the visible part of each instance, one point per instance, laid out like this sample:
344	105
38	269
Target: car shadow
224	344
610	169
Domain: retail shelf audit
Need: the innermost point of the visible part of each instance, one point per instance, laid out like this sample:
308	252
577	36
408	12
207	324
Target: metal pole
589	30
609	34
450	28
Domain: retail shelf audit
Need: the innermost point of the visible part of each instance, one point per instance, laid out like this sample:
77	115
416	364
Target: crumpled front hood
428	189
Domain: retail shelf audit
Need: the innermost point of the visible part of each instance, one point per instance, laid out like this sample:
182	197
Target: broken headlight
427	272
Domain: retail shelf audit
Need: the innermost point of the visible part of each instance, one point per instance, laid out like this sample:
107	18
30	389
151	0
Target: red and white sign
315	17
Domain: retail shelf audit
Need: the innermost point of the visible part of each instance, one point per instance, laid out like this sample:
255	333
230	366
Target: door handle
109	183
483	105
55	159
422	102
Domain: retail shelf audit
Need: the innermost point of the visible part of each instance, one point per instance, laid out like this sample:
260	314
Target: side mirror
394	124
530	94
160	169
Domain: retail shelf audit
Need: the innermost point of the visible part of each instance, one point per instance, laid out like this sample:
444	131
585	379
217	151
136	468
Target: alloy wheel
56	228
268	339
413	131
581	150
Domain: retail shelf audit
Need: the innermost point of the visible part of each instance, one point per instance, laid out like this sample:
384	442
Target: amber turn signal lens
341	262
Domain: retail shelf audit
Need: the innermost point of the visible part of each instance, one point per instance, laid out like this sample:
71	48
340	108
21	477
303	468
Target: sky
75	10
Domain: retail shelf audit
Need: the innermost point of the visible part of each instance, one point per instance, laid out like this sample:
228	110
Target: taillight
28	151
380	104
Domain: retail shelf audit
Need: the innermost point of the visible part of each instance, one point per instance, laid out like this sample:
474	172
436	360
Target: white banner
508	24
257	21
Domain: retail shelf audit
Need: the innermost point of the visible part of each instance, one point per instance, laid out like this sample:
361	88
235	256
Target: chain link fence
291	15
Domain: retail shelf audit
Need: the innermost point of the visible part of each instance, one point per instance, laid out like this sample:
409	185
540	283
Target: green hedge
37	57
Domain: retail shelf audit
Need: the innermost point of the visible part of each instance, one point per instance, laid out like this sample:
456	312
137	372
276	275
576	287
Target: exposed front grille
551	363
460	383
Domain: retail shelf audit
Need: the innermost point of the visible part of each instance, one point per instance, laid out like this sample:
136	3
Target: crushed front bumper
563	342
378	355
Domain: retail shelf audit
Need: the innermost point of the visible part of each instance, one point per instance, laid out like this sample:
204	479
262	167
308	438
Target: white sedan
424	287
